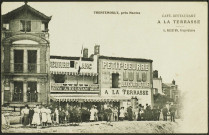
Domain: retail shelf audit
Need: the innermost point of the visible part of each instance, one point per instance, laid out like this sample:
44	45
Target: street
104	127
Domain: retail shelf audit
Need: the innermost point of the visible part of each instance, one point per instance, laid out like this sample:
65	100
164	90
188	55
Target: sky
176	55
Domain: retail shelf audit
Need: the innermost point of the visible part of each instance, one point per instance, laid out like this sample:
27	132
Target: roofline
70	58
126	59
48	18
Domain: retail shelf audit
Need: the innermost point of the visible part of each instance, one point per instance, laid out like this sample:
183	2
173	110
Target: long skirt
49	120
92	116
25	119
44	117
36	119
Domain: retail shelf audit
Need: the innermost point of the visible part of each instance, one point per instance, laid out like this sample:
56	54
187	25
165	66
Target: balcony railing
43	34
28	68
18	97
32	68
74	87
32	97
18	67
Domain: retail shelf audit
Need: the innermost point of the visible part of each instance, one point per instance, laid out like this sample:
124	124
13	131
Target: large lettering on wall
132	74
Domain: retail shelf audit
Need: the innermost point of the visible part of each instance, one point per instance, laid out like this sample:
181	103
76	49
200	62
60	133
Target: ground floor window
32	95
18	91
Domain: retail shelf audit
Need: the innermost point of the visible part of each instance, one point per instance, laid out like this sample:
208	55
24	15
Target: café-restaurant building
128	80
99	80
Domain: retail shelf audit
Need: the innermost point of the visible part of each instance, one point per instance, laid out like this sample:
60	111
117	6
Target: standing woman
43	115
92	111
25	115
36	116
48	115
121	116
56	116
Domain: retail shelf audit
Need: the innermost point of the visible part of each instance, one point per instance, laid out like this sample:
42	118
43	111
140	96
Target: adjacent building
171	90
25	57
157	83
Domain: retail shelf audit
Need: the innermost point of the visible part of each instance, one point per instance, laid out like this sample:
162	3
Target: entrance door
18	92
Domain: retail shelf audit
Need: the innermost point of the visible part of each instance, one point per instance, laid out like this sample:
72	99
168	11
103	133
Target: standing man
172	111
165	112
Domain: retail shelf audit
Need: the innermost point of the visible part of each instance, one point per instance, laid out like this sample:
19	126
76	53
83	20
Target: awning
74	73
89	99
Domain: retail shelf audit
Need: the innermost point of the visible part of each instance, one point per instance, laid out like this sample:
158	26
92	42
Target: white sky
179	56
176	55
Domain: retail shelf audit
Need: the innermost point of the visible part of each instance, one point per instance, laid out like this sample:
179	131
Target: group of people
43	115
40	115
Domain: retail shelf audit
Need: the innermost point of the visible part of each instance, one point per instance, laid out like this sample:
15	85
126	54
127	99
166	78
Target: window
115	79
18	92
59	78
72	64
32	94
32	58
18	60
25	26
6	26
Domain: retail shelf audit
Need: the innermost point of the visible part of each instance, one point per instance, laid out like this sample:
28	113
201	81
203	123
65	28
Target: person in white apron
36	116
92	111
122	112
48	115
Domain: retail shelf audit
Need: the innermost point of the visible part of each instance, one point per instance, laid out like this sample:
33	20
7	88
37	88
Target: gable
25	12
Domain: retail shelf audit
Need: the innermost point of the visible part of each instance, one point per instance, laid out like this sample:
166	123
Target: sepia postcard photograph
104	67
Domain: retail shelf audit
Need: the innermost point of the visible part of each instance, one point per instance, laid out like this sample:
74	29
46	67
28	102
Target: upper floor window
25	26
6	26
72	64
44	27
18	60
115	80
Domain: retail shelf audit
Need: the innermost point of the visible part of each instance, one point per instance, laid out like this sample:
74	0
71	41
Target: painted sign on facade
72	65
131	74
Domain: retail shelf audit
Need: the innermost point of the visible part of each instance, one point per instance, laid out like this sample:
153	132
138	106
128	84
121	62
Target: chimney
173	82
155	74
85	53
96	49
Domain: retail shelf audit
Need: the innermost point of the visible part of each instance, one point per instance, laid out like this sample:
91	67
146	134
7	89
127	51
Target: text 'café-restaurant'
96	80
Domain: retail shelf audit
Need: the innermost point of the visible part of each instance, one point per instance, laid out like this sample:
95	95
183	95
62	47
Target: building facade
171	90
128	80
157	83
25	57
74	79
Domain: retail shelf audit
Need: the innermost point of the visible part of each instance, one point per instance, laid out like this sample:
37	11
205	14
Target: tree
161	100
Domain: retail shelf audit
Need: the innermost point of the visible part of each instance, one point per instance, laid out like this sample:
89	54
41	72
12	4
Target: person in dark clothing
31	112
139	114
158	113
154	110
172	111
130	113
148	112
165	112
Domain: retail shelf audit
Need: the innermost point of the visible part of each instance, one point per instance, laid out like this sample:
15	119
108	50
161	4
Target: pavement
104	127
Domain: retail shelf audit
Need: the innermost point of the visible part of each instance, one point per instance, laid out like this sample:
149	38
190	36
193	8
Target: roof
167	84
11	14
70	58
126	59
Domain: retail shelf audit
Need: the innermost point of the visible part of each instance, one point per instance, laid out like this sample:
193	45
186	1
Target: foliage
161	100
